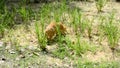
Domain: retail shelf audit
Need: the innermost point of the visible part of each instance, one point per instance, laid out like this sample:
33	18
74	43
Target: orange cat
51	30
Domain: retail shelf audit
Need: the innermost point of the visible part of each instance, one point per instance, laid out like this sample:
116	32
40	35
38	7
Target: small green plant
77	20
100	4
112	31
7	20
24	14
63	50
102	20
31	13
89	27
78	46
83	47
83	26
40	36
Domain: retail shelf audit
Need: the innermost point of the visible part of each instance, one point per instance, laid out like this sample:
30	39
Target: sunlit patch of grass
83	47
76	48
102	20
89	28
111	31
81	23
88	64
77	20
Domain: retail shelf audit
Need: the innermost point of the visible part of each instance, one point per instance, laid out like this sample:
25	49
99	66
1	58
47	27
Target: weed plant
77	19
89	27
82	47
100	4
65	48
40	36
24	14
61	52
7	20
111	31
102	20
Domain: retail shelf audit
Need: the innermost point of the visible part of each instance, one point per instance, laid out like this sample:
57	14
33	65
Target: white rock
1	44
11	51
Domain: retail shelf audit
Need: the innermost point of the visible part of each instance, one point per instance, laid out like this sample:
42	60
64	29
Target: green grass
77	48
112	34
40	36
7	21
102	20
88	26
2	6
77	20
111	30
88	64
82	47
100	4
23	13
8	15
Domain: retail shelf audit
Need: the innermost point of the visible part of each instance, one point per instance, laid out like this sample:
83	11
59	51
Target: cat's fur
51	30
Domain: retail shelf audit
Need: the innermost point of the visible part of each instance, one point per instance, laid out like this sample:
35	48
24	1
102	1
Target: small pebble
1	44
11	51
